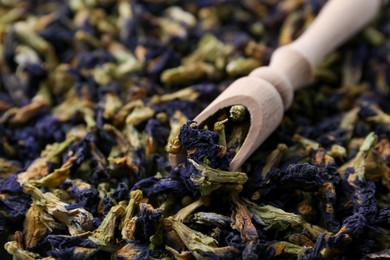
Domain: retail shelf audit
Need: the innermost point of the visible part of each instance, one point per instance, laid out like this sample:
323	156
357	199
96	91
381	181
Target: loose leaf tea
95	96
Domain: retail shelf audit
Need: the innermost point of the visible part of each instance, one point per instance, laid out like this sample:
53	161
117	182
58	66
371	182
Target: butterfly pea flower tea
96	95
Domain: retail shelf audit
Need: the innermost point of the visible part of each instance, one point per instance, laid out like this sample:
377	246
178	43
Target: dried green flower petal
104	234
58	175
272	217
273	159
210	179
241	220
7	168
197	242
77	220
139	115
18	253
189	209
188	73
286	248
238	113
36	224
242	66
127	224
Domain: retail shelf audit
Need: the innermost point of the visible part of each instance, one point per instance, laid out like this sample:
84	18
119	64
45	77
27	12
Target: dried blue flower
304	176
114	80
76	253
352	227
148	221
157	131
383	217
48	129
60	35
63	241
121	192
89	60
315	252
13	210
86	196
10	184
202	146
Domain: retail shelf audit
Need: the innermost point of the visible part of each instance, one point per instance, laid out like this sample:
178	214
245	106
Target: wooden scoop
268	91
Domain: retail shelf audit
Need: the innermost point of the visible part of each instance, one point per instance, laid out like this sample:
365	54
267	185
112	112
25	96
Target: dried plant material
23	114
191	72
104	234
197	242
95	96
273	217
139	115
7	168
241	220
189	209
241	66
55	178
128	222
282	248
37	224
77	220
20	254
209	179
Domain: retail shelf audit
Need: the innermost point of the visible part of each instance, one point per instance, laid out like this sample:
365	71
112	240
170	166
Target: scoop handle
338	21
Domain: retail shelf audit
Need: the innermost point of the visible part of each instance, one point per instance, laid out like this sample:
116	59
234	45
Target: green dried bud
257	29
176	121
195	241
104	74
242	66
301	240
210	218
7	168
359	161
173	146
127	61
189	209
272	217
238	113
74	104
189	73
189	94
57	176
127	225
77	220
126	110
210	49
210	179
170	29
338	151
286	248
104	234
36	224
306	142
139	115
380	117
178	14
219	127
87	38
37	169
373	36
17	116
289	28
19	253
273	159
183	255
